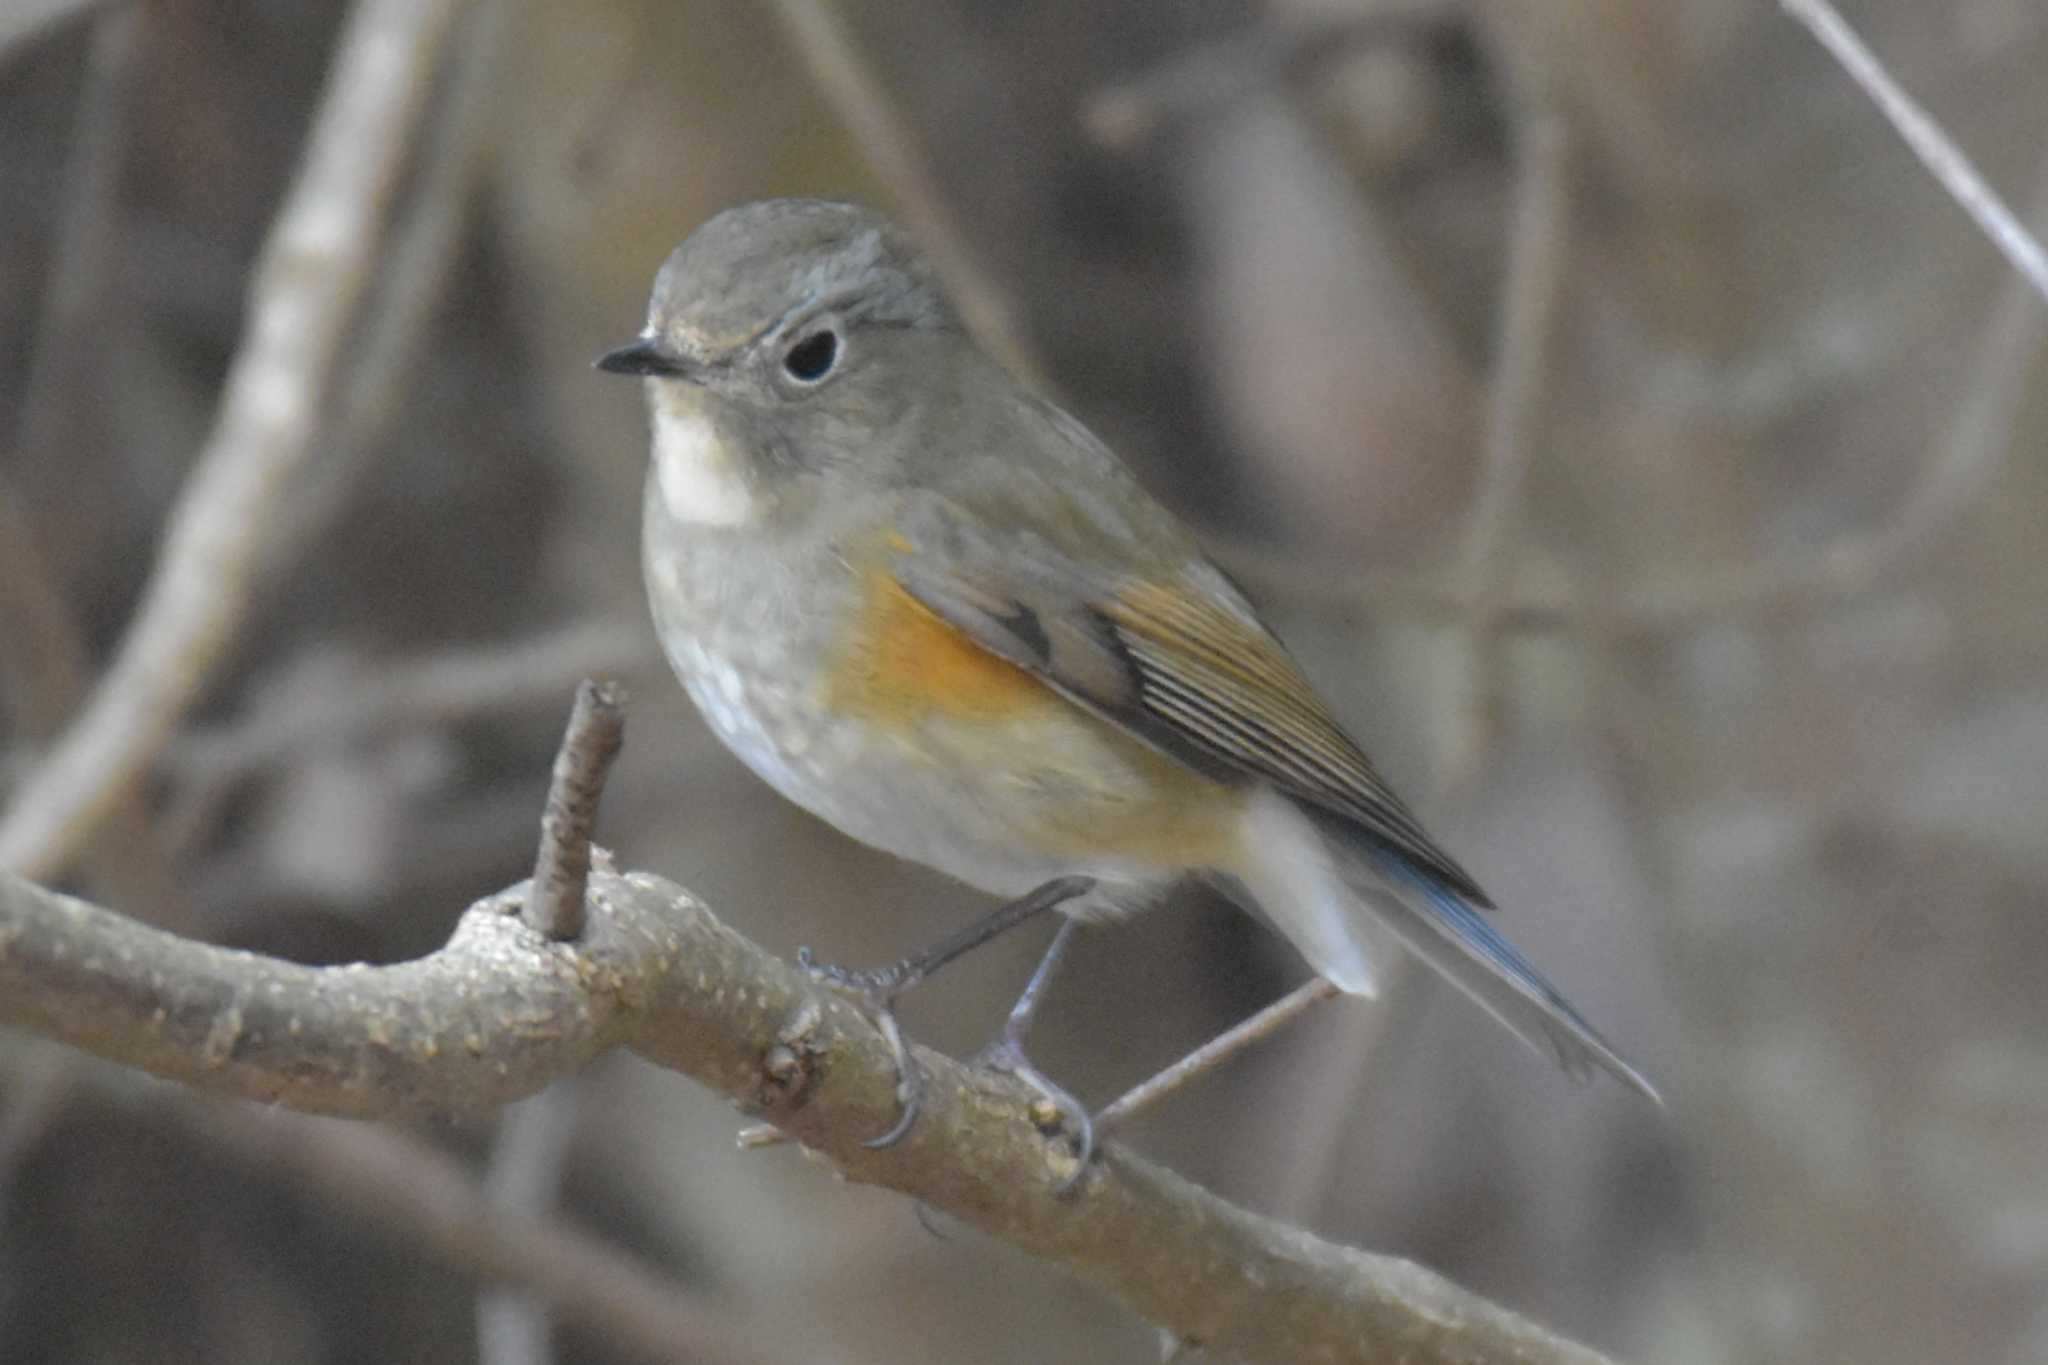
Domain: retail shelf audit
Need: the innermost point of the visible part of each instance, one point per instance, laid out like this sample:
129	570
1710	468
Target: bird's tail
1328	890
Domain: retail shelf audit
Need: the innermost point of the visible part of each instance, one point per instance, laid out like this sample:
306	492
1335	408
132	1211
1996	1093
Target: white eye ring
811	359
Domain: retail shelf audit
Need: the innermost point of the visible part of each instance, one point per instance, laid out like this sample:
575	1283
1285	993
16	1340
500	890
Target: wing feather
1180	662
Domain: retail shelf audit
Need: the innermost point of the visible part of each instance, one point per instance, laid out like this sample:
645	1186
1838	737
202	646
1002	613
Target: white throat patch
701	483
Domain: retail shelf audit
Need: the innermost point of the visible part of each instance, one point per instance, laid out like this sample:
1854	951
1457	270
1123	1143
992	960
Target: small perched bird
929	606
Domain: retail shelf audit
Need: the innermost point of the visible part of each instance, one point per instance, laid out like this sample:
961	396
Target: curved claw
1006	1055
1085	1153
879	989
897	1131
909	1082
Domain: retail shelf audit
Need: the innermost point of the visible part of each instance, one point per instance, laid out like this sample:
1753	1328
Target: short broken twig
597	726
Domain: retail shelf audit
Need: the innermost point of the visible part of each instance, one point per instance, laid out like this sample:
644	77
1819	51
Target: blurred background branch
318	265
1936	150
853	90
528	1155
413	1192
47	671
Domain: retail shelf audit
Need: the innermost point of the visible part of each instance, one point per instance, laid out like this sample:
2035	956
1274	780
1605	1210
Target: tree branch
1211	75
528	1154
1537	252
1215	1053
316	266
1978	436
1929	142
47	668
501	1010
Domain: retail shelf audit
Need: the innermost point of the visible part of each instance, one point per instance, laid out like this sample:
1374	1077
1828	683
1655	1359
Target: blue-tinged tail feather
1335	894
1437	924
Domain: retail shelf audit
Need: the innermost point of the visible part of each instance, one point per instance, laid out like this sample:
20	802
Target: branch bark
501	1010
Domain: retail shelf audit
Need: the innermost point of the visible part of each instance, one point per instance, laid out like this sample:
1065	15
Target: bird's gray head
784	339
773	296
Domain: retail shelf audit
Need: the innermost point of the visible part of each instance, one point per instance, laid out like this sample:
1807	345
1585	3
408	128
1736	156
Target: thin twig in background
863	104
43	668
315	269
412	279
1527	317
45	671
500	1011
1514	410
1346	1071
42	676
316	705
522	1181
1935	148
322	701
420	1193
1202	79
26	20
69	344
1215	1052
1977	439
597	727
40	1083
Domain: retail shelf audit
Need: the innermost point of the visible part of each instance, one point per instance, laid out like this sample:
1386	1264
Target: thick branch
500	1011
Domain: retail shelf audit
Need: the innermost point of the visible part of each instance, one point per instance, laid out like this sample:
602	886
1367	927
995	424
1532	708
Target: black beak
644	356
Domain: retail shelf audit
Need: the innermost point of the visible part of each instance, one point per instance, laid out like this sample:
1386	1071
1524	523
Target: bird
925	603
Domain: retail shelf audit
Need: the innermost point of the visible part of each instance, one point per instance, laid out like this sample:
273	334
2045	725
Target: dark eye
812	358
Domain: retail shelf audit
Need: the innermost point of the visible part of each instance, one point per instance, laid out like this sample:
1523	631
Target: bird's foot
1056	1110
878	989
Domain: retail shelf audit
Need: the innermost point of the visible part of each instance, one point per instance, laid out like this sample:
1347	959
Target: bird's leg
881	988
1007	1054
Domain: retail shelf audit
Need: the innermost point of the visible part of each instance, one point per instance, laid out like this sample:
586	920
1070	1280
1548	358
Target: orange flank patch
903	664
1064	782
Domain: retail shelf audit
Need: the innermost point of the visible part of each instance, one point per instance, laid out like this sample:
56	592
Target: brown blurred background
1750	737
